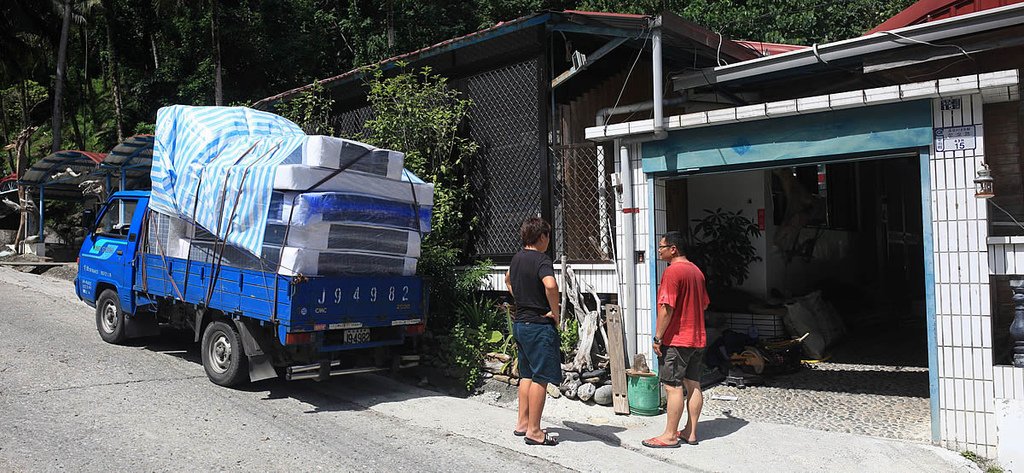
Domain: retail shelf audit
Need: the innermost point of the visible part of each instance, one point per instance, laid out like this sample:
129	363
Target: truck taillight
298	338
417	329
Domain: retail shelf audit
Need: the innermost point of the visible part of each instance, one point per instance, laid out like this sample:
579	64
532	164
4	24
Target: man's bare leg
694	404
538	393
673	412
523	422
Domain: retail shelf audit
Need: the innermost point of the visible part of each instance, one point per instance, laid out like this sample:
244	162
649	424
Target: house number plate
955	138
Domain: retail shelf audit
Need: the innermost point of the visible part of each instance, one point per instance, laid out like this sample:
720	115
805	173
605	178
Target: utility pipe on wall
628	248
625	151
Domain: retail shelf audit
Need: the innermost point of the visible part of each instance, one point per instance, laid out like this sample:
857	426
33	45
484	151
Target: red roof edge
924	11
768	49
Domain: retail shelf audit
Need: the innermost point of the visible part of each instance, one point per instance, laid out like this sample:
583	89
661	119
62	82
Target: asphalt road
70	401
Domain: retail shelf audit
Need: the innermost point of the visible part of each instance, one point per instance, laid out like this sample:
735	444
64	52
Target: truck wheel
223	356
110	318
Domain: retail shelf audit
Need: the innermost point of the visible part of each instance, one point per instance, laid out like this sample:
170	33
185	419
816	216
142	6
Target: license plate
359	335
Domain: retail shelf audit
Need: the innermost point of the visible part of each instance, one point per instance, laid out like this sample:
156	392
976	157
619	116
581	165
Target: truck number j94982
372	294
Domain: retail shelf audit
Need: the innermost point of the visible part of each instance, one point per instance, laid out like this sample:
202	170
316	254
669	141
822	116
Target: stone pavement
875	400
735	443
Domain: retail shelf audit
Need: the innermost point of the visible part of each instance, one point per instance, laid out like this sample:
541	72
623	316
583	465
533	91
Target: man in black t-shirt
531	281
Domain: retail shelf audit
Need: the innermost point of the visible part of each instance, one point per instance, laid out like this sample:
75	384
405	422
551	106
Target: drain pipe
625	156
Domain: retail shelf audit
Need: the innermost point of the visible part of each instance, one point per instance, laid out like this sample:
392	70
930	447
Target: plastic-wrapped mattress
337	153
327	236
291	177
309	262
175	238
348	208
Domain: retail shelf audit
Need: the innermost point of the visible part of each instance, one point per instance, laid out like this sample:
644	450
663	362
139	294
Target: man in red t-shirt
679	341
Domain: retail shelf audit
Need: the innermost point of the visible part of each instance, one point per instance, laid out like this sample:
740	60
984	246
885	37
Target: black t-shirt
526	272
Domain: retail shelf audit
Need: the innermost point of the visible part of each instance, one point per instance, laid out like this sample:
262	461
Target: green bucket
644	395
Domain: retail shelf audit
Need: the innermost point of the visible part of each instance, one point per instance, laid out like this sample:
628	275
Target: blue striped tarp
216	165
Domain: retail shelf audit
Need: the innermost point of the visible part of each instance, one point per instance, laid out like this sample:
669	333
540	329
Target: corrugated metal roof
678	35
60	173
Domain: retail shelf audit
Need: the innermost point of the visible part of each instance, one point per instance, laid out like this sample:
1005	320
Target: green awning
792	139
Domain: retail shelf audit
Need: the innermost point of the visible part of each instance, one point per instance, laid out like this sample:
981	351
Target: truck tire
110	318
223	356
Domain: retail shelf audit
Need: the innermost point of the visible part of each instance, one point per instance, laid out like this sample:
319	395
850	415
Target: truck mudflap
328	368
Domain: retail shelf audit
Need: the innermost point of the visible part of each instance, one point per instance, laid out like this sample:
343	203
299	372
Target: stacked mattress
337	207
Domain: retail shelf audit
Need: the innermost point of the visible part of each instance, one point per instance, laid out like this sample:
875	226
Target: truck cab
107	257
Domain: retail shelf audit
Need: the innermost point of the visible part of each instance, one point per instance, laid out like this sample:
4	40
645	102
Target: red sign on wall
760	219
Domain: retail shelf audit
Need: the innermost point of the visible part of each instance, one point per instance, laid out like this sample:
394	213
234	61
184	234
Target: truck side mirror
88	219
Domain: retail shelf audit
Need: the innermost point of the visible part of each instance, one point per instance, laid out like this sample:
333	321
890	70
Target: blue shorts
540	356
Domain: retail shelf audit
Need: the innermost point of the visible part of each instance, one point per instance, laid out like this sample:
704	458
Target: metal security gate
583	204
510	175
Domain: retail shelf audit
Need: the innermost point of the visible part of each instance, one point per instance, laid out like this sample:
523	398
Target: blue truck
251	324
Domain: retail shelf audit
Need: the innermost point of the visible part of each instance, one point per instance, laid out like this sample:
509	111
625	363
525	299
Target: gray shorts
677	363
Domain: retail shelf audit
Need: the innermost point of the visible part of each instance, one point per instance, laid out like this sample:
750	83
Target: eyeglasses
665	246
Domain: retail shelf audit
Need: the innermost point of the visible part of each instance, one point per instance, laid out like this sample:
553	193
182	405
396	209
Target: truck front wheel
223	357
110	318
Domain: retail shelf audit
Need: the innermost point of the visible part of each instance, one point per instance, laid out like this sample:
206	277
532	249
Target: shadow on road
581	432
715	428
339	393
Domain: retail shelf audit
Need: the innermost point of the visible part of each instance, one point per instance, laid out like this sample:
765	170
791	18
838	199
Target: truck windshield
117	218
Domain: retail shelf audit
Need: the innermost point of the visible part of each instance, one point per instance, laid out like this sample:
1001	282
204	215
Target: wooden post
613	315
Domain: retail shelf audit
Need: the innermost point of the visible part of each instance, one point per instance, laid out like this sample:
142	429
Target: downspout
622	147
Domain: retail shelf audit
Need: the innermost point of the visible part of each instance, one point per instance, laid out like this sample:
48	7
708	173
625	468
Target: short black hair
532	230
677	240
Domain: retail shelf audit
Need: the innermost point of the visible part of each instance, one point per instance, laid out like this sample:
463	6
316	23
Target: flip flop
522	433
655	442
547	441
681	439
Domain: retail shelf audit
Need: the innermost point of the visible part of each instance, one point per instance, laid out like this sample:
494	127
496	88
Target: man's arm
508	284
551	291
664	317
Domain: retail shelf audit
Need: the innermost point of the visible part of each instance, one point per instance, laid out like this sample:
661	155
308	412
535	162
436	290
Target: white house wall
744	191
599	276
963	307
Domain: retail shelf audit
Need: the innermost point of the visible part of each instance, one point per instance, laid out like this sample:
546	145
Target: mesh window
583	203
505	120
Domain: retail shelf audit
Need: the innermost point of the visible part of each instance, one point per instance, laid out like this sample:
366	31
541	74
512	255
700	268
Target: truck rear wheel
110	318
223	356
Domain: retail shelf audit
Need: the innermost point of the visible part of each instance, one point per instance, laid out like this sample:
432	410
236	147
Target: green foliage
721	248
474	333
570	335
418	114
311	110
63	217
788	21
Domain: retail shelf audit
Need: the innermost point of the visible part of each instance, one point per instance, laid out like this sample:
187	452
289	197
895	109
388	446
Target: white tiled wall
599	276
963	309
642	243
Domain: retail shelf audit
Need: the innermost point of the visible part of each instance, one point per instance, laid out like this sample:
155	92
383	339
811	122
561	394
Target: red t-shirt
682	287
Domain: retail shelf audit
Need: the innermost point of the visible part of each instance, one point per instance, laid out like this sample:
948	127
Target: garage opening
839	255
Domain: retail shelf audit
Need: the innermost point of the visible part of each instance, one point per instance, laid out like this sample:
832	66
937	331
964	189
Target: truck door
107	253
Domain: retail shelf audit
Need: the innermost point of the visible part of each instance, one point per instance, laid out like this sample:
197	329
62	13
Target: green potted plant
720	246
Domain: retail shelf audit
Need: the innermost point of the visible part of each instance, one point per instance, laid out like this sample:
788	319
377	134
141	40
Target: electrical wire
994	204
639	53
918	41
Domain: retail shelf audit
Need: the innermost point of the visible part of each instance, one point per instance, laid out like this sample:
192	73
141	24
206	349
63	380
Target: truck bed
303	304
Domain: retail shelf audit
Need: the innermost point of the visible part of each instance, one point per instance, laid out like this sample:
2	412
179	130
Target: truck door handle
119	252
